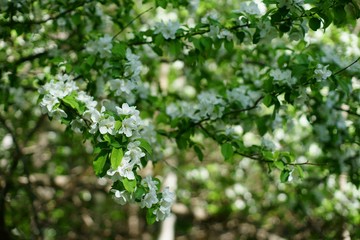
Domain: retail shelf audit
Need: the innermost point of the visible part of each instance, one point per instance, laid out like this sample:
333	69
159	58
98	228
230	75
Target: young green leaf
130	185
145	145
279	164
116	157
150	217
300	171
199	153
284	176
227	151
99	163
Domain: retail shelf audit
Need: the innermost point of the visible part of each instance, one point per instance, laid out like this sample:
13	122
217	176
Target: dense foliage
254	105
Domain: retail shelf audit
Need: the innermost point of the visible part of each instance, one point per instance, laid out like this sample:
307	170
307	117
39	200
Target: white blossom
249	7
127	110
107	125
212	15
121	197
149	199
124	170
77	125
134	153
210	105
102	46
58	114
168	30
283	77
92	114
133	65
173	110
121	86
165	205
86	99
322	73
149	182
129	126
224	33
48	102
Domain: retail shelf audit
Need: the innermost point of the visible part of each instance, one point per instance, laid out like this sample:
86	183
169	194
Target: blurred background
48	187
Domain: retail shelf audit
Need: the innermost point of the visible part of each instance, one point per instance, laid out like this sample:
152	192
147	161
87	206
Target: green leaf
279	164
91	60
99	147
199	153
159	40
150	216
229	45
256	36
268	100
314	23
300	171
99	163
119	50
140	191
130	185
284	176
206	42
70	101
118	125
268	155
116	157
326	16
339	15
157	50
182	142
161	3
175	47
145	145
344	85
240	36
261	124
227	151
285	27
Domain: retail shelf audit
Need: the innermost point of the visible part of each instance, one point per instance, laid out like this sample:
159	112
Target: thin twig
341	70
306	164
133	20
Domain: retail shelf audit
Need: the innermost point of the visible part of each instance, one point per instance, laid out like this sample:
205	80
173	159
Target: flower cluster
63	99
249	7
322	73
283	77
164	205
209	105
168	30
130	160
102	46
126	87
242	95
54	91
